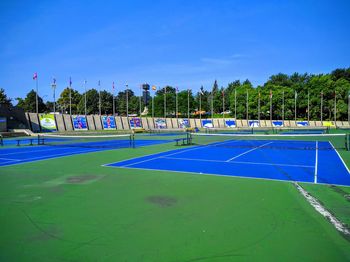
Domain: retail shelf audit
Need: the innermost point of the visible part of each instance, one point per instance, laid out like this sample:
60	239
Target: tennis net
87	141
292	142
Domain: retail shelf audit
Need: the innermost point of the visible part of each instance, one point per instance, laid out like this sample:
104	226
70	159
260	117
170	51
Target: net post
347	139
1	140
132	140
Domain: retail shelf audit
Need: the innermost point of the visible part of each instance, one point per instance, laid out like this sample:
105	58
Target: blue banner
108	122
230	123
302	123
79	123
135	122
277	123
207	123
254	123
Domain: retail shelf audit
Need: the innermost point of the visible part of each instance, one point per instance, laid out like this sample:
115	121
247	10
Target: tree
29	103
64	101
4	100
106	102
92	100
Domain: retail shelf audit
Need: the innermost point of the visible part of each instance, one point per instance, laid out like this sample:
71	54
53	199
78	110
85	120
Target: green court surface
74	209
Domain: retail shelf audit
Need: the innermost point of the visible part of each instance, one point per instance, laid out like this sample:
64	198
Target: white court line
339	157
36	159
238	162
33	151
316	163
246	152
179	152
10	159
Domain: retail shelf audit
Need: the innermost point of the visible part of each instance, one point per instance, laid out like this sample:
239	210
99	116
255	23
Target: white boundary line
340	157
238	162
316	163
33	151
246	152
260	135
10	159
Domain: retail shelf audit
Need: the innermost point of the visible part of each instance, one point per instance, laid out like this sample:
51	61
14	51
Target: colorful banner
207	123
135	122
160	123
277	123
184	123
230	123
47	122
328	124
108	122
79	123
254	123
302	123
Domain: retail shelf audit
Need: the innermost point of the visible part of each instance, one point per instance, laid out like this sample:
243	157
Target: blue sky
179	43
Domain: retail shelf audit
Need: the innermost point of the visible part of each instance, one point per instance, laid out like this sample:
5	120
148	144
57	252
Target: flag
223	93
113	86
201	91
70	81
54	80
35	76
270	93
99	83
85	82
296	95
177	90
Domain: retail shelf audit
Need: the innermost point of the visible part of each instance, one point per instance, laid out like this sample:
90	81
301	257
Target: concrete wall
168	123
125	122
221	122
34	121
196	123
118	123
175	122
144	123
60	123
150	122
68	122
98	122
90	121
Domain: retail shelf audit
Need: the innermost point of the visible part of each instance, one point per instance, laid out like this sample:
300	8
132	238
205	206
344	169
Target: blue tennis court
13	154
301	161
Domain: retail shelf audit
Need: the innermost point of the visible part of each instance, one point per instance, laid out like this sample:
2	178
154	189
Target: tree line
293	96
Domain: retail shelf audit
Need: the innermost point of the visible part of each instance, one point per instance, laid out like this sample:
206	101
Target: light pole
53	85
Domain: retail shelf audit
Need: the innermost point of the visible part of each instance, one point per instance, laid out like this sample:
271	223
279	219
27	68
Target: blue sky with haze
179	43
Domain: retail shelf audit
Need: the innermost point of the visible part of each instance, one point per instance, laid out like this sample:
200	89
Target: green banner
47	122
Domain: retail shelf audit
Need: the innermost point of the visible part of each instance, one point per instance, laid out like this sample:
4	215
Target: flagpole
36	97
113	96
247	106
335	107
200	104
140	100
212	105
283	105
223	104
259	106
176	105
99	97
295	105
164	102
308	106
127	101
188	103
271	106
153	106
85	96
321	106
235	104
70	96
